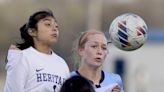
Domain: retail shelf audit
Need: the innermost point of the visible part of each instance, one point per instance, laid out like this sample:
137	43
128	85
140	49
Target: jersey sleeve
13	57
67	71
17	76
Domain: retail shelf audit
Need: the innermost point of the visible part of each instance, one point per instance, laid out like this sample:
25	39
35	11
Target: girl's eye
104	48
94	46
47	24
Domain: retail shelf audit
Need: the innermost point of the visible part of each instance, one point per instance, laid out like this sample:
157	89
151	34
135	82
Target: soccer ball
128	32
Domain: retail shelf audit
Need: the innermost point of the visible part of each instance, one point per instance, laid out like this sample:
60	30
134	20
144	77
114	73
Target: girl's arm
17	76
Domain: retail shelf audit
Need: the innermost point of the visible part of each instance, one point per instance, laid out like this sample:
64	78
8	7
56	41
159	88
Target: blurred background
141	70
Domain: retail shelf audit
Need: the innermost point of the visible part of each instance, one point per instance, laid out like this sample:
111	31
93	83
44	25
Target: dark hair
32	23
77	84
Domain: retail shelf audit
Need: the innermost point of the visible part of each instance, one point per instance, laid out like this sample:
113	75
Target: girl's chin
53	41
97	64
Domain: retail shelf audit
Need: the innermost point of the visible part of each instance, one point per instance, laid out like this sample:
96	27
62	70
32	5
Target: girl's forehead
97	38
51	19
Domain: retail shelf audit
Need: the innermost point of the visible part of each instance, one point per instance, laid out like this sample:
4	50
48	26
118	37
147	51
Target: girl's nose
55	28
99	51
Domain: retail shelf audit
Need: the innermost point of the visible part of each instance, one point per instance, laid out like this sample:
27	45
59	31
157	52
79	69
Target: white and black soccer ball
128	32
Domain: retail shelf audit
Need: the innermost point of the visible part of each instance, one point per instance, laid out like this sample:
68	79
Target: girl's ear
32	32
79	51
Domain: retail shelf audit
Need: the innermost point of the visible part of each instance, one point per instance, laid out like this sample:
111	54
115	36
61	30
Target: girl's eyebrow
49	19
46	19
95	42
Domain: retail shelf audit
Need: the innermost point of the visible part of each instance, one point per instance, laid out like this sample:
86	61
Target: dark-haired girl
38	68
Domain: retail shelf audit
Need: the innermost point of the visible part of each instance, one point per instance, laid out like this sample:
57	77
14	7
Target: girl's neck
90	73
43	48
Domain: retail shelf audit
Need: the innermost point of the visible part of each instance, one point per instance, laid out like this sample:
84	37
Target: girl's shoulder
111	75
12	58
110	78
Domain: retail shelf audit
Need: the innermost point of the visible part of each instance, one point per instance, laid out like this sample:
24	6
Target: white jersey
12	58
107	83
34	71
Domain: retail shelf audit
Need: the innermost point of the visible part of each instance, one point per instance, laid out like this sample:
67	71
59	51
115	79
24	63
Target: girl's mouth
98	59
